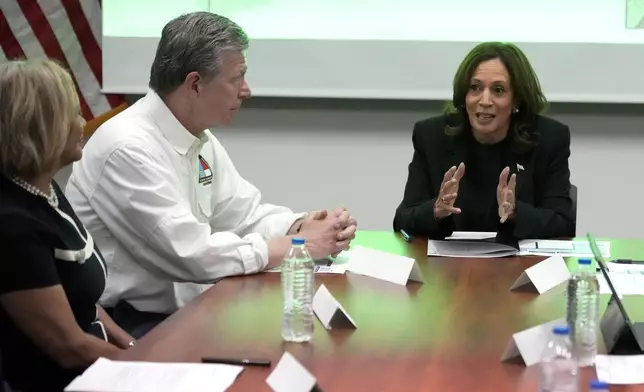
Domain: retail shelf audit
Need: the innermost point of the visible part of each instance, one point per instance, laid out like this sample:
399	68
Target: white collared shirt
168	210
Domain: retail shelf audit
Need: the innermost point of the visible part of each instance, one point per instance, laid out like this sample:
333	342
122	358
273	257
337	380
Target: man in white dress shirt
162	198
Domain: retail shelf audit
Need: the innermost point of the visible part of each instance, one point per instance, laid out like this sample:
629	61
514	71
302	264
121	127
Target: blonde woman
51	273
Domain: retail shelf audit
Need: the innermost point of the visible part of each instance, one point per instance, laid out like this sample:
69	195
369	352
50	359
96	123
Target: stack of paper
481	244
575	248
114	376
627	279
620	369
469	248
470	244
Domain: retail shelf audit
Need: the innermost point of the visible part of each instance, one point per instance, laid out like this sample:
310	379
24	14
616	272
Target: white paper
620	369
320	269
328	309
472	235
383	265
290	376
120	376
625	284
545	275
637	269
530	343
576	248
480	249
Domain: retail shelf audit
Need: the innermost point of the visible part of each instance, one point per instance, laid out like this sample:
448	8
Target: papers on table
118	376
472	235
482	245
469	248
620	369
628	279
320	269
575	248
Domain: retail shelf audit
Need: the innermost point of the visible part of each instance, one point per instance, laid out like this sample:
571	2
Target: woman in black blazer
491	162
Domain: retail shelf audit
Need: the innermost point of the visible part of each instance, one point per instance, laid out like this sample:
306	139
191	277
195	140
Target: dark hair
193	42
528	97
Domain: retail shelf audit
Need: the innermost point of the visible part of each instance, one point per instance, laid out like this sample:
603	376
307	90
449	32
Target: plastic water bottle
598	386
297	290
582	312
559	369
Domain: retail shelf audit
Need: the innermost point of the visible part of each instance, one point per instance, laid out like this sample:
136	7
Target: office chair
97	121
573	196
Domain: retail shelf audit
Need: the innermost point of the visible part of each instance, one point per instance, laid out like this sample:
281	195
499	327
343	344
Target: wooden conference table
444	335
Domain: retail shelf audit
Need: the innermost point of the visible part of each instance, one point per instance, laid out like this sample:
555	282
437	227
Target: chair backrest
3	387
573	196
93	124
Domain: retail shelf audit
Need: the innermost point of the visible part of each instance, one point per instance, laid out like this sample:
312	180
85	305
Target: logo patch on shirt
205	172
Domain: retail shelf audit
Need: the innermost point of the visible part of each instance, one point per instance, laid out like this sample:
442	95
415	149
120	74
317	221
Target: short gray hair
38	107
193	43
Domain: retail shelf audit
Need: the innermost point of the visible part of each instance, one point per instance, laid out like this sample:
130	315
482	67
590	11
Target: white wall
312	154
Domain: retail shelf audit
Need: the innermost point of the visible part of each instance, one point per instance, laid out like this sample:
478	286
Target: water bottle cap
561	330
297	241
584	261
600	385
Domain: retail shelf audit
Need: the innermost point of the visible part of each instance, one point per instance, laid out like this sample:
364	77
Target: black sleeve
551	216
415	214
25	263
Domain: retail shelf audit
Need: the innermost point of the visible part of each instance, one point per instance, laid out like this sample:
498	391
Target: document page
116	376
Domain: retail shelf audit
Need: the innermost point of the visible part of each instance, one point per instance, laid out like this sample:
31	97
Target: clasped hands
327	233
505	194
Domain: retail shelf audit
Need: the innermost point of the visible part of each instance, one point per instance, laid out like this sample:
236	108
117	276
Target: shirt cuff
294	218
254	257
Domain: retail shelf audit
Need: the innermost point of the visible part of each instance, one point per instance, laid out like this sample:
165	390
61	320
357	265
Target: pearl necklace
52	199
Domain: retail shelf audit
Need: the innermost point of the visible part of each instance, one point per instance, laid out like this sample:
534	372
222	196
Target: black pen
405	236
237	361
628	261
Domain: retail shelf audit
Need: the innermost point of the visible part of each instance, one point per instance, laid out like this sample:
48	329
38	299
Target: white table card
383	265
543	276
329	311
529	344
290	376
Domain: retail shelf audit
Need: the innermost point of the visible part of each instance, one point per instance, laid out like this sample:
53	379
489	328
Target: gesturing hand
505	195
444	205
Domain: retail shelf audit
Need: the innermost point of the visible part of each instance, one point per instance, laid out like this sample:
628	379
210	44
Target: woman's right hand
444	205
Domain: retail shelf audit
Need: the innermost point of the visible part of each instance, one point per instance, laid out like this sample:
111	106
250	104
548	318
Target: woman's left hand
505	195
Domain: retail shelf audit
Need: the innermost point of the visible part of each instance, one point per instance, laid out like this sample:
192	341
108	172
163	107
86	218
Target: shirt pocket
204	200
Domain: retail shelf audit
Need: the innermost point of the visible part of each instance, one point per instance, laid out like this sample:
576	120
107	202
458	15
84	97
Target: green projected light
635	14
598	21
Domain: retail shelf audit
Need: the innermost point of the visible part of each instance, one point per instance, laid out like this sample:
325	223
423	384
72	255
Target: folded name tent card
544	275
329	311
529	344
290	376
383	265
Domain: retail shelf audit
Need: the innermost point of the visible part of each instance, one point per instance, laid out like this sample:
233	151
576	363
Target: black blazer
543	208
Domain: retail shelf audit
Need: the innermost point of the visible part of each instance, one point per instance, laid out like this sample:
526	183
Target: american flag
66	30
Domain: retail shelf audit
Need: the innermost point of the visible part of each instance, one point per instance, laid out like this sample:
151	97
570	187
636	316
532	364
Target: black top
477	189
40	248
543	208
